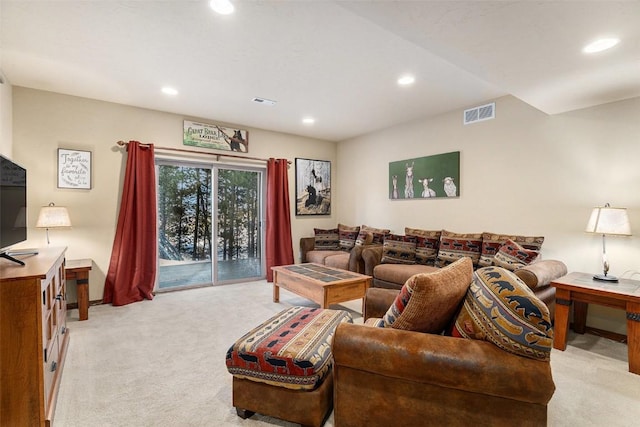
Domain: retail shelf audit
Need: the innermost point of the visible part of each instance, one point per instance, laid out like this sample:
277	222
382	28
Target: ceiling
337	61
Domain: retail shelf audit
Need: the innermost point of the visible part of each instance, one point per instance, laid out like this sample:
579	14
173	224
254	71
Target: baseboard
72	305
614	336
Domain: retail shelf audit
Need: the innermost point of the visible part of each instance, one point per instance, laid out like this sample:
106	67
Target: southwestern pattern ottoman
283	367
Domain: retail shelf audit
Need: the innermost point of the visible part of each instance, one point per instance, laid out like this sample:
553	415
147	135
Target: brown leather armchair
385	377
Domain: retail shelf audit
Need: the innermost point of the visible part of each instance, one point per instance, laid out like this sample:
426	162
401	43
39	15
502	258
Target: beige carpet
161	363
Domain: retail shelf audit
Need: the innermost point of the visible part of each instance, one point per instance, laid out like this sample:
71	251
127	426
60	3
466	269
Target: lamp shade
608	220
53	216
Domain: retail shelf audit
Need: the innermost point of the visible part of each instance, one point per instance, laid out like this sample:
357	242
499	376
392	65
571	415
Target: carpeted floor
161	363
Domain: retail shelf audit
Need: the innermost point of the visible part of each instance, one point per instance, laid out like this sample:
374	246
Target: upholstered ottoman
283	367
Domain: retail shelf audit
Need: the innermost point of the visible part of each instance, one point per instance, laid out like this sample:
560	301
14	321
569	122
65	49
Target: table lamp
53	216
607	220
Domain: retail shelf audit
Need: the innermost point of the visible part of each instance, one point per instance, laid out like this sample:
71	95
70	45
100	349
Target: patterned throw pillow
348	236
377	233
454	246
326	240
491	243
501	309
428	301
398	249
512	256
427	245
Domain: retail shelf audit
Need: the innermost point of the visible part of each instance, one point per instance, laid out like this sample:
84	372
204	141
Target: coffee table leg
561	322
580	316
633	336
276	288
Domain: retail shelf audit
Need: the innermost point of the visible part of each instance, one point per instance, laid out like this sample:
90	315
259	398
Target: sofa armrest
306	244
541	273
372	256
453	363
356	262
377	302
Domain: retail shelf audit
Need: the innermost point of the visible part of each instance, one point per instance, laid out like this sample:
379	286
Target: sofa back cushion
501	309
427	244
326	240
512	256
427	302
398	249
454	246
348	236
491	243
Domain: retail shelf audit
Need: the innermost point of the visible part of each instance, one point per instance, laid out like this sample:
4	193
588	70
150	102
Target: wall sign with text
74	169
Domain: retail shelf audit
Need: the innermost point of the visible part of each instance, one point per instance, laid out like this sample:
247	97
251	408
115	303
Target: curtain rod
218	155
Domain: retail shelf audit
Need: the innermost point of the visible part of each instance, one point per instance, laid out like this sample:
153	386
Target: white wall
5	117
45	121
523	173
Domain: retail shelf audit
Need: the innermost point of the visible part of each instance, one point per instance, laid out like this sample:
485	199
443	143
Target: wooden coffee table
579	290
321	284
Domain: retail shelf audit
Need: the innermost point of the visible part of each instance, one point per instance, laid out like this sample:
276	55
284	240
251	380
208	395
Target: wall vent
264	101
479	114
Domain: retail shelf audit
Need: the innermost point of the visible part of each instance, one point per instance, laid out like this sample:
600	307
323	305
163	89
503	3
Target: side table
579	290
78	270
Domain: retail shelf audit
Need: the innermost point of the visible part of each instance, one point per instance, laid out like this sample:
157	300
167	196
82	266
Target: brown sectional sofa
387	376
537	275
346	260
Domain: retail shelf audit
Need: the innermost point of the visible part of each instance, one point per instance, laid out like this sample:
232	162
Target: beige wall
523	172
45	121
5	118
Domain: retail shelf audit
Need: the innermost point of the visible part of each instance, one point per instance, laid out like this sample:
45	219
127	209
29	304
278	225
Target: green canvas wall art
425	177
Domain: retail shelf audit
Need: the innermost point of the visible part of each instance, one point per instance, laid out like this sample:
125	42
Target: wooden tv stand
33	312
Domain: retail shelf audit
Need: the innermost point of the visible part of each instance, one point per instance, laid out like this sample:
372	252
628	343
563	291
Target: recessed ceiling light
600	45
223	7
406	80
308	120
169	91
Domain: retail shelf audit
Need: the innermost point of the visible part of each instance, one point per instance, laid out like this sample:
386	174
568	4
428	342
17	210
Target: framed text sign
74	169
216	137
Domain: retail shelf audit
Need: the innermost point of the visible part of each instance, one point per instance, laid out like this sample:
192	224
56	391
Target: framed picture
213	136
74	168
313	187
425	177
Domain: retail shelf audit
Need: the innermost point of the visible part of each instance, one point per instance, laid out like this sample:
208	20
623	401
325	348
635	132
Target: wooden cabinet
33	337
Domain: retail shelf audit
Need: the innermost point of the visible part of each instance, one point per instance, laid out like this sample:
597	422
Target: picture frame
429	177
313	187
216	137
74	169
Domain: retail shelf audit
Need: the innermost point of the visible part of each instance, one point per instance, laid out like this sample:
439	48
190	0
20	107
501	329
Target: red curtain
132	269
279	246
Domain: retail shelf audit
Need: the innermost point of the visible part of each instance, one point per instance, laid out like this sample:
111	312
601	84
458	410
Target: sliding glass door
202	239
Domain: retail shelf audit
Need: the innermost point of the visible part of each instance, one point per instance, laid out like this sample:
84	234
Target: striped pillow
512	256
326	240
454	246
348	236
427	244
377	233
491	243
398	249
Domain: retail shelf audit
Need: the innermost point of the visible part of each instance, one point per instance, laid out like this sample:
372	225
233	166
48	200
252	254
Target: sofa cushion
338	260
454	246
326	240
491	243
348	236
321	257
400	273
501	309
512	256
377	233
398	249
427	244
427	302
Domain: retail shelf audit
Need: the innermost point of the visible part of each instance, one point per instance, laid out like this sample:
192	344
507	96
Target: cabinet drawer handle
59	297
54	366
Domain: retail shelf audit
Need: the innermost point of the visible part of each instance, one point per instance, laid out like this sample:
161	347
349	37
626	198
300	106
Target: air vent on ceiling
264	101
481	113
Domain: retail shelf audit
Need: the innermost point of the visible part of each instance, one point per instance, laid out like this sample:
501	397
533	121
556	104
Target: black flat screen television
13	205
